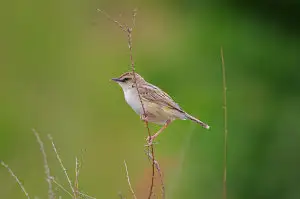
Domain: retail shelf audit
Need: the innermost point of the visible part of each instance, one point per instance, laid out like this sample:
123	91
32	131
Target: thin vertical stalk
225	126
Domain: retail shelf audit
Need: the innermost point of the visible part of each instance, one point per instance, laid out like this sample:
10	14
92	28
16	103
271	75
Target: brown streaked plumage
160	108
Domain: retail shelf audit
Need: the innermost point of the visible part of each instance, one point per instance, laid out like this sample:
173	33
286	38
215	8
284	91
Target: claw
150	140
143	117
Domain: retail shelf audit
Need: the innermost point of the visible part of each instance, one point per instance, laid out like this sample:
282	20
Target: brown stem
128	31
225	127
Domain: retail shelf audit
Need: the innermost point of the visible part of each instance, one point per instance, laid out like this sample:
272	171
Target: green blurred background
57	58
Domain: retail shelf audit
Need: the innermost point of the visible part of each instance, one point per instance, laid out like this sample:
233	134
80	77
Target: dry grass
46	166
16	179
74	193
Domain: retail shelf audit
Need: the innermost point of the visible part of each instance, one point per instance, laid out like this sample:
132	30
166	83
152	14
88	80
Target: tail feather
197	121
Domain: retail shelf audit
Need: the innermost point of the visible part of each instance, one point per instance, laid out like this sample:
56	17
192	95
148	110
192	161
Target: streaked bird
159	107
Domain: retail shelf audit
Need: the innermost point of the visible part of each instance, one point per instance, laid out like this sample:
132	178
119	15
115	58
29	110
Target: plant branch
46	166
70	194
128	32
163	190
61	164
225	126
62	188
86	196
16	178
128	179
76	182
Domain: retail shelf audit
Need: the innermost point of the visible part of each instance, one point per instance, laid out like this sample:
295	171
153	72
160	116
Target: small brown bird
160	108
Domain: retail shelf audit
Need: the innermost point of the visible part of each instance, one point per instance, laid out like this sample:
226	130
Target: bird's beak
116	79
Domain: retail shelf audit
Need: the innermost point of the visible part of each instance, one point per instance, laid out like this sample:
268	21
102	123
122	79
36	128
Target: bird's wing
152	93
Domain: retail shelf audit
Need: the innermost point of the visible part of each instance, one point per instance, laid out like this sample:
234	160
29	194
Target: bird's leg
144	117
151	138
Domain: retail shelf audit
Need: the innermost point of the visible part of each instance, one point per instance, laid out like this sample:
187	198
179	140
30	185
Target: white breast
133	100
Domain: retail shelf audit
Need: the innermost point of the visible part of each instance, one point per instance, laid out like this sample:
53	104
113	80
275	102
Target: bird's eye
126	79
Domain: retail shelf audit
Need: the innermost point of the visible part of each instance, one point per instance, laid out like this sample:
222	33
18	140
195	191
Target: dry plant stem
70	194
16	178
62	188
128	179
76	178
61	164
86	196
163	190
128	31
144	111
46	166
225	126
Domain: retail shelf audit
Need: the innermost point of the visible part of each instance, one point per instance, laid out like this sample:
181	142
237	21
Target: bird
151	103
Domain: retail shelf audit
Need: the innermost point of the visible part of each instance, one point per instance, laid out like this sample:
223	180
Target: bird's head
127	80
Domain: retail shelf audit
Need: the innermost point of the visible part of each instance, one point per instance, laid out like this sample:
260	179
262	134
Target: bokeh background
57	58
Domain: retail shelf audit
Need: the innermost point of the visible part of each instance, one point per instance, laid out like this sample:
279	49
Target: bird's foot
150	140
144	117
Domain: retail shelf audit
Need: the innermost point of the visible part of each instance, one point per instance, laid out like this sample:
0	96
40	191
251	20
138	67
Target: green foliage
57	59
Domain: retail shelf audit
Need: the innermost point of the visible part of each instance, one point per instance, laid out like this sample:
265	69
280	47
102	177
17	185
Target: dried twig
86	196
128	32
61	164
16	178
128	179
76	193
163	190
62	188
225	127
69	193
76	183
46	166
122	27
